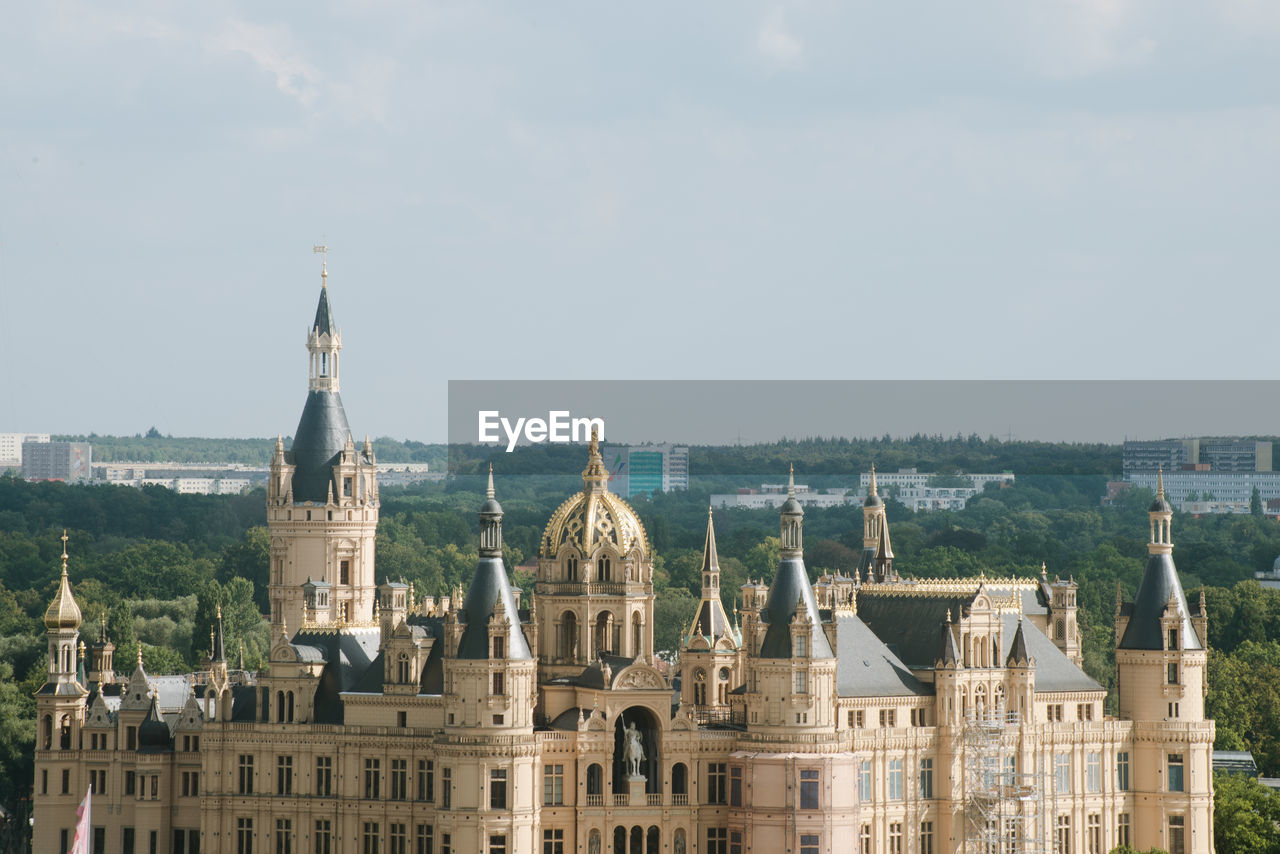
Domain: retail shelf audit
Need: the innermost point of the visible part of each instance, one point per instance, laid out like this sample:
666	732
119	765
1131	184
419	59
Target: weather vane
322	250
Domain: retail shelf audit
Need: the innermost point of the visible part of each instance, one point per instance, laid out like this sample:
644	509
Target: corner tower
322	500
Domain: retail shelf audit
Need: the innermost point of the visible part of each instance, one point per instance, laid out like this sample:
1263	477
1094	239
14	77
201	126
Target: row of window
888	718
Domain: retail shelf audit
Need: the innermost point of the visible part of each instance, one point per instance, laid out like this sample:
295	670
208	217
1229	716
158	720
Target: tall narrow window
244	836
324	836
926	837
864	781
498	789
895	780
735	786
372	778
926	779
426	780
1122	771
399	779
1175	773
1177	834
552	785
284	836
246	774
284	775
808	789
716	789
446	788
324	776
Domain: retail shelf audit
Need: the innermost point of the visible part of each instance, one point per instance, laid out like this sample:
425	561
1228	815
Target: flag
80	845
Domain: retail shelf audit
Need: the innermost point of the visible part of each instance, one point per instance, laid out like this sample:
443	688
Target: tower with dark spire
709	659
1161	658
876	561
322	499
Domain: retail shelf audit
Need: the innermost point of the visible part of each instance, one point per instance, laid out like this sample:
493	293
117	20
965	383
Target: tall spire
490	522
710	561
791	514
1160	481
595	477
871	489
219	645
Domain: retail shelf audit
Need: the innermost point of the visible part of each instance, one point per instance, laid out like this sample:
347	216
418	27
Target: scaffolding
1005	804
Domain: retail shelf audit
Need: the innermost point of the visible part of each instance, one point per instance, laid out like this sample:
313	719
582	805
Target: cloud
272	49
776	43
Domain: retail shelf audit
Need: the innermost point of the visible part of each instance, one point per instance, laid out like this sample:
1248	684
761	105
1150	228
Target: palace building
873	714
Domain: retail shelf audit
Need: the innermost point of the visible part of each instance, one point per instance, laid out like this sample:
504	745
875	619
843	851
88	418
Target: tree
1246	816
17	738
671	615
1255	503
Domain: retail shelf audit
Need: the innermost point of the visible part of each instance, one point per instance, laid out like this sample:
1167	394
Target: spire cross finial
791	482
323	251
64	551
1160	481
489	491
873	479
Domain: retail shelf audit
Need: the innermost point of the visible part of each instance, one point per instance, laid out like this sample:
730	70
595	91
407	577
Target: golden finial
872	487
211	642
139	653
219	610
791	482
489	491
82	649
323	251
64	551
1160	481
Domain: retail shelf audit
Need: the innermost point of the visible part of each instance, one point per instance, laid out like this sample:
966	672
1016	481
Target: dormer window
1173	639
801	646
499	647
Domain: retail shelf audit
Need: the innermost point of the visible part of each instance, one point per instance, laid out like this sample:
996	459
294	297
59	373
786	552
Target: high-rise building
11	448
69	461
1169	454
647	468
863	714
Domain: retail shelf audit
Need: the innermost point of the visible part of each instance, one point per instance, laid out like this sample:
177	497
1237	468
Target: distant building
188	478
1212	491
1169	454
647	468
907	486
11	448
1144	457
69	461
1236	456
774	495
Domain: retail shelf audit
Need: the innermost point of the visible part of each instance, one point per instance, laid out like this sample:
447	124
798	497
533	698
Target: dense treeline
155	565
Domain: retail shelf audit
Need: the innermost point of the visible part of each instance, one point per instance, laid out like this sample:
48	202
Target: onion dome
594	516
63	612
873	496
153	733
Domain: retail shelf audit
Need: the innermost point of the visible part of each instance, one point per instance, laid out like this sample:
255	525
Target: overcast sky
713	190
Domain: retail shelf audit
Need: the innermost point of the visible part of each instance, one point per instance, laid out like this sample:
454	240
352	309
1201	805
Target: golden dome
63	612
594	516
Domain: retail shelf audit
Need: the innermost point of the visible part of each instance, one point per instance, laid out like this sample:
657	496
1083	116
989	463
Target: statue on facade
633	751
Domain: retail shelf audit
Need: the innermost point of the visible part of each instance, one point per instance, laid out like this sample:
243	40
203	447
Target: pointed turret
949	653
791	590
873	494
884	555
153	734
490	591
1018	656
219	650
323	431
710	621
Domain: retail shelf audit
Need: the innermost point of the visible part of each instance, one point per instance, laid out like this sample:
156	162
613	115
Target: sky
599	191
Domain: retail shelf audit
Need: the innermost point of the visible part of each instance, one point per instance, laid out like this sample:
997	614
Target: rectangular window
1093	773
499	685
864	839
1062	773
402	719
888	717
1173	673
372	838
717	840
895	780
425	839
1175	773
244	836
1122	771
284	775
802	682
1063	838
66	781
735	842
926	779
397	839
926	837
864	781
1122	829
100	841
1094	835
735	786
131	738
344	571
809	843
372	778
801	646
895	837
191	784
860	718
1177	834
284	836
497	788
808	789
426	780
553	841
497	843
399	779
446	790
324	776
446	844
127	840
499	646
246	775
155	787
324	836
716	779
552	785
130	783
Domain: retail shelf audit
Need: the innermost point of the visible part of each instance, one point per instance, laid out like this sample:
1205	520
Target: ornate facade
876	714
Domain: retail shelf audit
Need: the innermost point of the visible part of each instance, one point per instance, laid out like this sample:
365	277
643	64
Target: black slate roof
791	586
1054	671
909	625
867	668
324	316
1159	582
321	435
488	585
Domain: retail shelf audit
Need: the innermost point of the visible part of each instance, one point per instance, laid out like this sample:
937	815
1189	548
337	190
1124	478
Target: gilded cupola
594	516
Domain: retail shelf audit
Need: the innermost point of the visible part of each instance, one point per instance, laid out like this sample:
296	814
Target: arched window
604	569
595	780
279	707
1060	630
402	669
601	636
699	687
289	702
651	840
679	779
569	636
47	737
65	732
